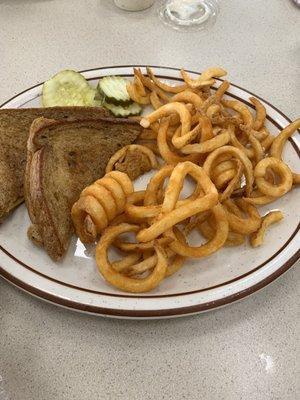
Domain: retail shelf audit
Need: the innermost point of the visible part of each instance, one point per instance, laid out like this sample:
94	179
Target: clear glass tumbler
189	15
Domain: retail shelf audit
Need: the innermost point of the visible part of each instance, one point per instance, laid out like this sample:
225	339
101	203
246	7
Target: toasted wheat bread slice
63	158
14	132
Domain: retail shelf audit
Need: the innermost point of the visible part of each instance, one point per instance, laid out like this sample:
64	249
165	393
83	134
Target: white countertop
246	351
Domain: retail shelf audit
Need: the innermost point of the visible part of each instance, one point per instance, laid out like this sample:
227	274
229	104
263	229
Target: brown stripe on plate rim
32	269
180	311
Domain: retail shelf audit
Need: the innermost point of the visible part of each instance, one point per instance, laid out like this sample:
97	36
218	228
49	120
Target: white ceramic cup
134	5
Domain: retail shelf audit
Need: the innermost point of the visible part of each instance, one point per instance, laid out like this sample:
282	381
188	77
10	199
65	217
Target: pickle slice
68	88
113	90
123	111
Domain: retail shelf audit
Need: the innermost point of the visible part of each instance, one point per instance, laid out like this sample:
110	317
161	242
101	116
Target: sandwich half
63	158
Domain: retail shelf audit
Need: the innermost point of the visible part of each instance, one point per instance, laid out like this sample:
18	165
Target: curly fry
179	140
170	215
225	177
99	203
155	101
242	110
257	238
164	86
232	184
141	211
279	142
119	280
167	109
230	150
205	79
187	96
260	114
167	154
212	245
213	110
207	146
221	91
262	134
241	225
135	96
147	82
281	169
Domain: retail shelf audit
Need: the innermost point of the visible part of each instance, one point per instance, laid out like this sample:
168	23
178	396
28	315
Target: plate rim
160	313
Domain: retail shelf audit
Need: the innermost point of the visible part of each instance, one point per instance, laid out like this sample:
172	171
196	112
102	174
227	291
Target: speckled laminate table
248	350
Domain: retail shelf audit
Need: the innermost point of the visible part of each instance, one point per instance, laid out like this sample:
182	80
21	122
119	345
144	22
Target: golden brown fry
166	153
206	128
155	101
195	221
205	79
176	180
233	183
267	142
222	179
139	86
207	230
222	167
241	225
258	151
141	247
260	114
119	280
167	109
221	233
88	206
262	134
104	197
213	110
156	183
154	187
135	96
234	239
232	151
122	179
140	211
99	203
187	96
280	169
165	87
279	142
170	215
149	84
257	198
179	140
257	238
221	91
175	262
176	216
207	146
242	110
126	262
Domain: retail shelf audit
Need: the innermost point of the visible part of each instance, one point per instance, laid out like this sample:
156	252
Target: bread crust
43	229
14	131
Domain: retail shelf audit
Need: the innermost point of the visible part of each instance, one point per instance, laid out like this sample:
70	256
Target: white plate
201	285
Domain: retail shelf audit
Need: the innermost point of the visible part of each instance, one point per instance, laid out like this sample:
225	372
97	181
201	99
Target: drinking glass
188	15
